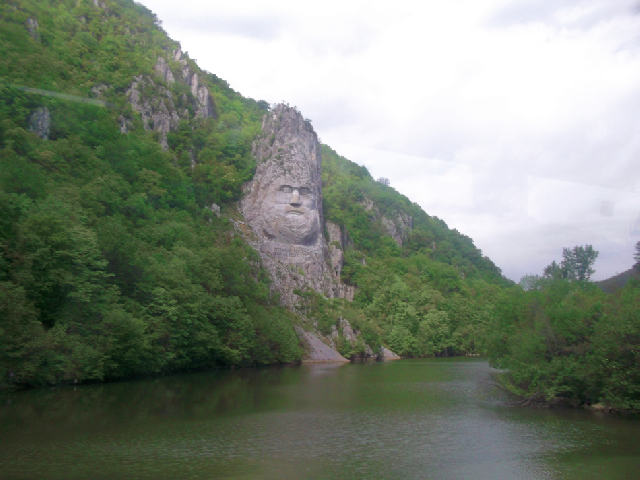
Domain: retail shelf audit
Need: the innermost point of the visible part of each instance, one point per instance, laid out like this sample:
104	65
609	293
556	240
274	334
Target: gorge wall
283	207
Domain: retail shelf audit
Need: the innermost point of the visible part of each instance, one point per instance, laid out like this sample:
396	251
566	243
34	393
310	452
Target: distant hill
617	282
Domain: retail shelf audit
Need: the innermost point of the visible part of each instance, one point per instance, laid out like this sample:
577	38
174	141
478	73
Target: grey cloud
332	113
546	11
259	27
348	38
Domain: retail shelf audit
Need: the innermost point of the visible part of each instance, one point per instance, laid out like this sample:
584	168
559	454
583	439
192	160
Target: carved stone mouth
295	210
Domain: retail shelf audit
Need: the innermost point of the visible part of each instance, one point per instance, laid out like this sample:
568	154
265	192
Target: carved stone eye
304	191
286	189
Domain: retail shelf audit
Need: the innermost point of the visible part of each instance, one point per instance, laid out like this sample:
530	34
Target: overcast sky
516	122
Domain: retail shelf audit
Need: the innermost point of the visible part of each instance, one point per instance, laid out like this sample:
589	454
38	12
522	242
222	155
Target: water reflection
436	418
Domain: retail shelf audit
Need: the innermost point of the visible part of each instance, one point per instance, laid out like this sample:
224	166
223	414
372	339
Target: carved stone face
290	209
283	204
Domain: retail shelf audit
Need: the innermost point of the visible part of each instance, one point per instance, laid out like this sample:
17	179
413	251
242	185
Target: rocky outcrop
40	122
338	241
158	112
204	106
32	28
397	225
162	69
97	91
399	228
125	124
315	350
347	331
215	209
386	354
353	336
335	248
204	102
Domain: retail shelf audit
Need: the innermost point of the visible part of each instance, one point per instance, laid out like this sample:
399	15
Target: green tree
575	266
578	261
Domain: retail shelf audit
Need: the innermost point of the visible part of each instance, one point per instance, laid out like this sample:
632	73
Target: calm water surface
428	418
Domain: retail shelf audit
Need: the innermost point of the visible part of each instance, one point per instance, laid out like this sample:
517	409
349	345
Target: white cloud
472	108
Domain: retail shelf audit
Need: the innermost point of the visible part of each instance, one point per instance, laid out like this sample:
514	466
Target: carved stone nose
295	198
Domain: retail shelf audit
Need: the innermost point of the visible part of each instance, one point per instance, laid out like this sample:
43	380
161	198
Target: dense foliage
433	295
110	263
564	339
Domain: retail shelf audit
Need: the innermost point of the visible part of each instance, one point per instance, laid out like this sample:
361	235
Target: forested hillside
428	291
111	263
121	165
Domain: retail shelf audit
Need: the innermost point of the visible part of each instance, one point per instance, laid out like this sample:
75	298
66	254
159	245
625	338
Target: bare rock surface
335	248
283	206
32	28
161	112
158	112
204	105
162	69
387	354
351	335
316	350
398	225
347	331
97	91
338	241
40	122
398	228
125	124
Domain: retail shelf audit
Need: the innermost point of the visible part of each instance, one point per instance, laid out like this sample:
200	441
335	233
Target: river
423	418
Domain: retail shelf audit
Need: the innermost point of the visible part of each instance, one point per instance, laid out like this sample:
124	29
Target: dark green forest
113	262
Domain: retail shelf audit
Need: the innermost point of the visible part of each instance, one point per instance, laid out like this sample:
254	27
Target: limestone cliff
160	110
397	224
338	241
203	104
283	206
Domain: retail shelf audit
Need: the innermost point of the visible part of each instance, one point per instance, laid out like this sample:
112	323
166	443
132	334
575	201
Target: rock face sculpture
283	205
